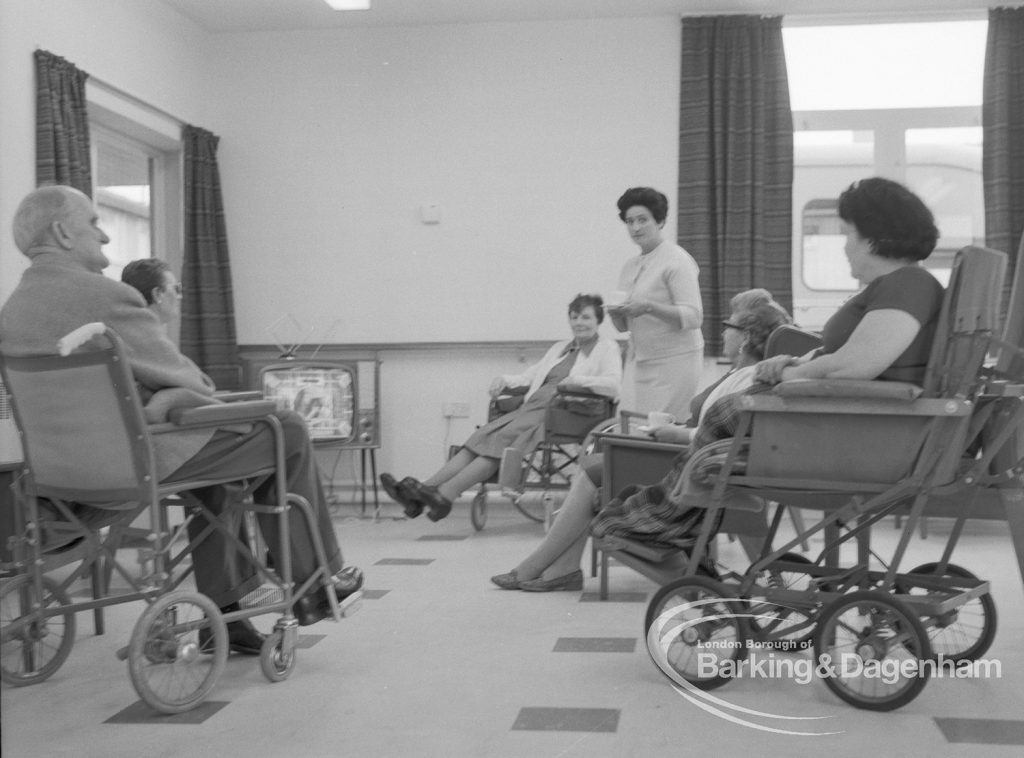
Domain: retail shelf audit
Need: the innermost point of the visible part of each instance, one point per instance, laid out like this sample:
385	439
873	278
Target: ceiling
280	15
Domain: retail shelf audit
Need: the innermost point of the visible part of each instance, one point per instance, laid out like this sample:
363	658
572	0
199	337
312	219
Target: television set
338	398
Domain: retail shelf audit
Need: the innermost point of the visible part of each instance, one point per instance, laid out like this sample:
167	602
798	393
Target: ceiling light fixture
349	5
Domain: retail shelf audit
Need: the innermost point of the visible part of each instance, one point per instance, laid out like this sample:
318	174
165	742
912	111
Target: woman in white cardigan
585	362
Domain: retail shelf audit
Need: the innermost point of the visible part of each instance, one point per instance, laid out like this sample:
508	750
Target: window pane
123	199
885	65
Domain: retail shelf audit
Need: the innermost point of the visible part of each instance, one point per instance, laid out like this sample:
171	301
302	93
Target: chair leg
798	523
604	575
99	589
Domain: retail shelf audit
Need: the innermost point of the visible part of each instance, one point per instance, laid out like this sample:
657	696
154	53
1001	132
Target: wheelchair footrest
351	605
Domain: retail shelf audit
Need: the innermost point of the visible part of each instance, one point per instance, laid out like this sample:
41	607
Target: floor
439	662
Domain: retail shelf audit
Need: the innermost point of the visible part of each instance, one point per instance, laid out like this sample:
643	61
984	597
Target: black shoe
401	493
243	638
315	606
438	506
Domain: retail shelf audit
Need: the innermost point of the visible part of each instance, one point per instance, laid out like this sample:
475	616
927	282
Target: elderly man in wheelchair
86	416
587	363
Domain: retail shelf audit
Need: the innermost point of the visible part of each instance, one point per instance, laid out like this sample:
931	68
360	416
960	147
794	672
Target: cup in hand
616	298
658	419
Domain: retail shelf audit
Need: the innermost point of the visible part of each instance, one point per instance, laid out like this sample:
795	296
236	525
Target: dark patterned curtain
735	161
1003	124
207	310
62	124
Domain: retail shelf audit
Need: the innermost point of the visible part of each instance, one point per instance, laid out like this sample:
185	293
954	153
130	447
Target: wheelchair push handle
76	338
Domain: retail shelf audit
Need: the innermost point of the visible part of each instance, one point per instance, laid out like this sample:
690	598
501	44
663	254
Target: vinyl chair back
868	435
788	339
82	431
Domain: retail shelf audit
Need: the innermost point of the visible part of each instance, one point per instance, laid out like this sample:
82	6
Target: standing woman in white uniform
662	311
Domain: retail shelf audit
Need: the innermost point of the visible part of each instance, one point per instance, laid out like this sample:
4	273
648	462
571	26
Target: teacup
658	419
616	298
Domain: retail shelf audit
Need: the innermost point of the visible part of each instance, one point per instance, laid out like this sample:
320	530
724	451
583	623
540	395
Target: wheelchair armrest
222	413
229	396
851	388
638	443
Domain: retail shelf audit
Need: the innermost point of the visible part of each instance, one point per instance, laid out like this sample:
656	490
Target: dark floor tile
140	713
404	562
982	731
614	597
567	720
374	594
595	645
441	538
308	640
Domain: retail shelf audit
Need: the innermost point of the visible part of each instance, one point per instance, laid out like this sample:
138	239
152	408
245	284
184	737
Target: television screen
323	395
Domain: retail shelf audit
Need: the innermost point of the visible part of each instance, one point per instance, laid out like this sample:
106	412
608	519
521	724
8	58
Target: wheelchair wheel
478	510
966	633
695	632
276	663
33	647
177	651
773	621
871	647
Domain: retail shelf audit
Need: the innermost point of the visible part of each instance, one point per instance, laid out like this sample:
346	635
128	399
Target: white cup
658	419
618	297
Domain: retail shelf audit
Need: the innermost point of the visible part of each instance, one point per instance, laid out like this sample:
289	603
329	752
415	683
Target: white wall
524	134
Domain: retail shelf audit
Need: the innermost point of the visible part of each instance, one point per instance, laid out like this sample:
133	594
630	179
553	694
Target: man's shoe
402	494
573	581
243	638
315	606
438	506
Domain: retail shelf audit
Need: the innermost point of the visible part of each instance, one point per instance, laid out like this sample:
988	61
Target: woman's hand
676	433
633	308
497	385
769	371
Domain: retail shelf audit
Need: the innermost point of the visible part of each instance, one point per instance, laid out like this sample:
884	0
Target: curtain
735	161
207	310
62	124
1003	125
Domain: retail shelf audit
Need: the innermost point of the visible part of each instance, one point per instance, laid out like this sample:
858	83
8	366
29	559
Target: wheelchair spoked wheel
695	632
871	649
478	510
178	650
966	633
770	622
276	662
33	646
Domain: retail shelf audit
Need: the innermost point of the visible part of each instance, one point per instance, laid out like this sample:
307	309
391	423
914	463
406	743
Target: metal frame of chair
859	451
531	480
88	450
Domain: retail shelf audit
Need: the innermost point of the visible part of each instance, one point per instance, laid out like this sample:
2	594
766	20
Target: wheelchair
89	472
530	480
857	452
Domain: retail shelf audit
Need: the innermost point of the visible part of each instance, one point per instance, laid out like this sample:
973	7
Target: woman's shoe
402	494
314	606
507	581
572	581
438	506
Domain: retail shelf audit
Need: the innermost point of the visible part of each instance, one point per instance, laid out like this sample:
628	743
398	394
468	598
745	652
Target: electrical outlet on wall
455	410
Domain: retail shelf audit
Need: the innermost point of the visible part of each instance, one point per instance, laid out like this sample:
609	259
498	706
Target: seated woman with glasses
555	564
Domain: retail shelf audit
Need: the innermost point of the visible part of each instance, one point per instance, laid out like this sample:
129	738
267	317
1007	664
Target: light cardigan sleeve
601	371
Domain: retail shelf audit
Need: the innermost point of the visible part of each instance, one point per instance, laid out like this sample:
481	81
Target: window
910	110
136	156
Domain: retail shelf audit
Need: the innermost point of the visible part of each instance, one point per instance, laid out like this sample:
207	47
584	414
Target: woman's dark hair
758	314
892	218
145	275
649	198
582	301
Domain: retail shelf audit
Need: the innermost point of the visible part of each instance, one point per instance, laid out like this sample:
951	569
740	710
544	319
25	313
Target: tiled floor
438	662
